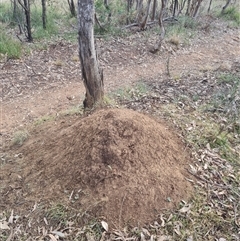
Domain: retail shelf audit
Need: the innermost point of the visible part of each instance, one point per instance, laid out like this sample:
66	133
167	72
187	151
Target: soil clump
115	164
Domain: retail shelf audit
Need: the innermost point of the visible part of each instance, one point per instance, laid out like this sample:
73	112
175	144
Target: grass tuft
232	14
20	137
9	46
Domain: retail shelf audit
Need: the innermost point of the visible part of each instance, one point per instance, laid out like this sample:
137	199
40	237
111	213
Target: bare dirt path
49	81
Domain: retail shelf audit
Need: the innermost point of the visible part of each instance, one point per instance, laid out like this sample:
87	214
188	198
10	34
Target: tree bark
209	7
44	15
145	18
72	8
26	6
162	34
226	5
154	9
196	9
91	73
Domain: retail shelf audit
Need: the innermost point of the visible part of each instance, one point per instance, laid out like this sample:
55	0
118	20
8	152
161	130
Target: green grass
181	31
43	119
57	213
111	23
52	27
228	78
19	137
131	93
12	48
74	110
232	13
225	97
6	14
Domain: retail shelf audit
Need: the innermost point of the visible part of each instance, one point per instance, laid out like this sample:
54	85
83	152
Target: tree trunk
196	9
145	18
26	6
154	9
175	7
91	73
162	34
209	7
188	7
226	5
44	16
72	8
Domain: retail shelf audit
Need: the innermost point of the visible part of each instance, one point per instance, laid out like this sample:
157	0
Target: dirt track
49	81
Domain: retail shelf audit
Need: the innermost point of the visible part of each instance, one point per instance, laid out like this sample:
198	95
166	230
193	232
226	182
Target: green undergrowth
19	137
130	92
232	13
54	19
9	46
181	31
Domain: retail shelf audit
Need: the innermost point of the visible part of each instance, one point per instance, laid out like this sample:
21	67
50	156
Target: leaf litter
214	213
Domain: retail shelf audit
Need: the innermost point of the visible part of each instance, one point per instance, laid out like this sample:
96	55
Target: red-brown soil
117	164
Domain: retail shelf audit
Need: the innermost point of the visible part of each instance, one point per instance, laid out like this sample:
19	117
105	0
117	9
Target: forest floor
190	87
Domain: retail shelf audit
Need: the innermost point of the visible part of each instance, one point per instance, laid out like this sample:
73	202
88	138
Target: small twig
235	214
11	235
120	214
99	24
168	66
71	195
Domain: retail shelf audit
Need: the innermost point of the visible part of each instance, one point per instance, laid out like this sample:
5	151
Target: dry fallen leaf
162	221
52	237
163	238
185	209
10	220
60	234
4	225
190	238
222	239
104	225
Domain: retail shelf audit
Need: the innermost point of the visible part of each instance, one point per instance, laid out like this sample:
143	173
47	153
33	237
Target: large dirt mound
116	163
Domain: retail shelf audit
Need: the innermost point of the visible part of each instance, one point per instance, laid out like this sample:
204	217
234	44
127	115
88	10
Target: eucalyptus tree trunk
157	46
145	18
154	9
72	8
91	73
26	6
44	15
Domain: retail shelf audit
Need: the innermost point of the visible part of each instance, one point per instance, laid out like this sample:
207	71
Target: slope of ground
46	82
118	164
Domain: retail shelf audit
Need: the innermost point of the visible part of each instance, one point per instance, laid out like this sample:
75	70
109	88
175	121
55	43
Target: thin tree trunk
226	5
16	15
175	7
145	18
26	6
162	34
209	7
44	15
91	73
188	7
129	6
72	8
182	5
14	10
139	8
197	8
154	9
